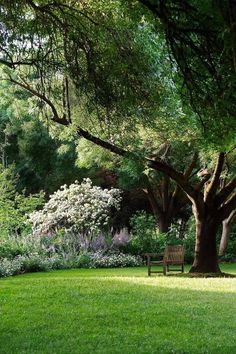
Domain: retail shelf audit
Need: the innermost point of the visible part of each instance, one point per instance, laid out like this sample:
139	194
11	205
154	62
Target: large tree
121	82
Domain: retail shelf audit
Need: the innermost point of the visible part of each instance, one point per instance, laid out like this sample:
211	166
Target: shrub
116	260
35	263
38	263
144	235
80	209
10	267
84	261
15	245
146	238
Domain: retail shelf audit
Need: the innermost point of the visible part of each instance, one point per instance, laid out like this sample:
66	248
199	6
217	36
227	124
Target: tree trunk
224	237
225	232
164	224
162	218
206	258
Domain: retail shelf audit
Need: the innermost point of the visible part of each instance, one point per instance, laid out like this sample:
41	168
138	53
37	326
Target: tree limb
225	210
226	191
211	190
190	168
156	164
56	118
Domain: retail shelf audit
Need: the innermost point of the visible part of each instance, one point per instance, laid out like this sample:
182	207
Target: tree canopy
201	36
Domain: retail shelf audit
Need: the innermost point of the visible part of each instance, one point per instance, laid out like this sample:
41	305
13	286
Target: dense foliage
14	206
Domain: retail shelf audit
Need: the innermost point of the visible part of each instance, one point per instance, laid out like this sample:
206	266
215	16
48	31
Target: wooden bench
173	255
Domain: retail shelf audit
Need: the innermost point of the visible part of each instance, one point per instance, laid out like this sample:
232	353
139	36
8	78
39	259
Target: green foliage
201	39
44	156
131	172
15	207
145	236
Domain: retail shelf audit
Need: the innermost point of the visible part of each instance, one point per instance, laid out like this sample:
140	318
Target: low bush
38	263
35	263
144	235
13	245
115	260
10	267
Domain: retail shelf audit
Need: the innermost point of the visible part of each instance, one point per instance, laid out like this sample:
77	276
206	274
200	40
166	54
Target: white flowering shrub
116	261
81	209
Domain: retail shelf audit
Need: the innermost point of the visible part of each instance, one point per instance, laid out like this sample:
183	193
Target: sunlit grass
117	311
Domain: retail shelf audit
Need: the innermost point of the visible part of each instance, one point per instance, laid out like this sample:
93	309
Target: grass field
117	311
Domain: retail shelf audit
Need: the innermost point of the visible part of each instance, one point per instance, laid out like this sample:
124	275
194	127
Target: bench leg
149	269
182	268
164	269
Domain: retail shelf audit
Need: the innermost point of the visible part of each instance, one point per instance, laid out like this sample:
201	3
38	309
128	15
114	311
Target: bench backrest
174	254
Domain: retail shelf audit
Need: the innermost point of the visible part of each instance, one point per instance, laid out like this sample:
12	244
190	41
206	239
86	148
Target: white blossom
78	208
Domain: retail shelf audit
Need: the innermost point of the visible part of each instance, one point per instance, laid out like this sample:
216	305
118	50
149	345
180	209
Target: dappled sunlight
131	276
196	284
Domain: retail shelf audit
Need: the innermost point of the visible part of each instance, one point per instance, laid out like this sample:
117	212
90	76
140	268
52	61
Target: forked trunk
206	259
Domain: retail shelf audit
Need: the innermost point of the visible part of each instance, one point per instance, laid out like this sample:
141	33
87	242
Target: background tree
44	156
14	206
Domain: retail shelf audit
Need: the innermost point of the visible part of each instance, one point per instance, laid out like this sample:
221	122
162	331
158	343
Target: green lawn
117	311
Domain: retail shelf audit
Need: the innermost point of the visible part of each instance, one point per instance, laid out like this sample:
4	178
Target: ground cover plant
117	311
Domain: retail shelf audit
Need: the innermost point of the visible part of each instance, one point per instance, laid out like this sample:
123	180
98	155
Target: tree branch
216	178
156	164
199	185
153	200
56	118
178	177
226	191
190	168
225	210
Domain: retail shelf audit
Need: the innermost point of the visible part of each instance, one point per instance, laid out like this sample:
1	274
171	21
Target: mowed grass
117	311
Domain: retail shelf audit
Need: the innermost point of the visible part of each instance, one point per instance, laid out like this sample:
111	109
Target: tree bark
164	224
206	258
162	219
225	232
